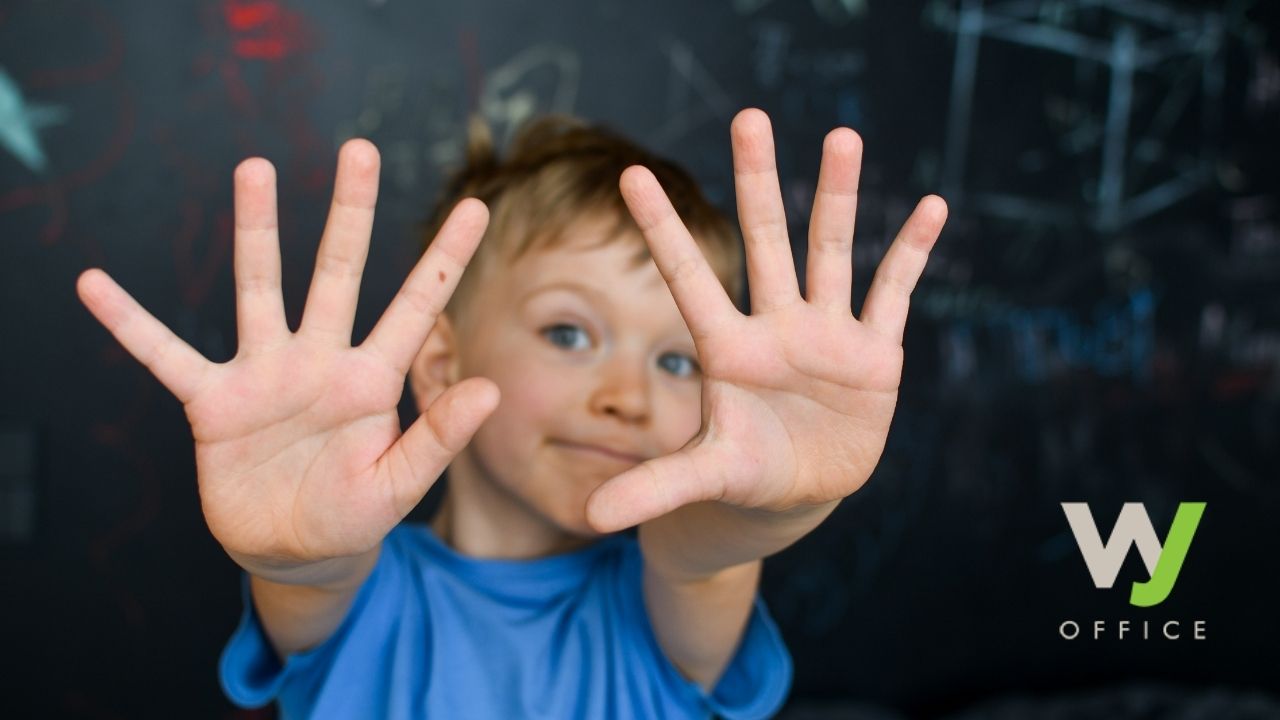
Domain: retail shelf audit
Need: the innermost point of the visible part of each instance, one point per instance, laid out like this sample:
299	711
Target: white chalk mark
20	120
542	79
693	95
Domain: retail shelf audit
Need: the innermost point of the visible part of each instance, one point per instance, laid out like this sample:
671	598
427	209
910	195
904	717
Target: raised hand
798	396
299	453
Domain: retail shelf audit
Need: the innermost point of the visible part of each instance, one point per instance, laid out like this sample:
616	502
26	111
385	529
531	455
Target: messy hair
558	170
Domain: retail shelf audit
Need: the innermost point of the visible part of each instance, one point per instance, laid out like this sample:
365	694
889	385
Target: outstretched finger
335	286
174	363
404	327
654	488
702	301
889	297
259	302
829	278
411	466
771	272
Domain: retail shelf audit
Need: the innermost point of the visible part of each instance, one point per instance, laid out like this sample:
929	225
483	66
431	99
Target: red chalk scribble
246	16
1240	382
264	29
197	274
266	49
105	65
54	191
105	547
238	90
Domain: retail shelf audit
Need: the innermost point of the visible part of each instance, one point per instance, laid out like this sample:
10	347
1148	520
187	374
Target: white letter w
1133	527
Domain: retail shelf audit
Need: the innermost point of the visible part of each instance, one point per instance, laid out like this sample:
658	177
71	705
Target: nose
622	390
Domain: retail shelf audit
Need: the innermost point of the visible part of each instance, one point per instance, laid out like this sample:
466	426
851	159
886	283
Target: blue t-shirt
433	633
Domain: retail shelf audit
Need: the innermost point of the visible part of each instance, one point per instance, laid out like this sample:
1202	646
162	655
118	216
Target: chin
581	528
577	524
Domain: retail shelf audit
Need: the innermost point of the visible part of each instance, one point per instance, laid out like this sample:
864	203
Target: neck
478	517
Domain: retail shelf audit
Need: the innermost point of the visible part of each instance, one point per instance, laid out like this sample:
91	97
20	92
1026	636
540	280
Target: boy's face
596	365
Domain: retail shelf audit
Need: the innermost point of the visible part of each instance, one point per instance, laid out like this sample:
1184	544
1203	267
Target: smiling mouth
598	451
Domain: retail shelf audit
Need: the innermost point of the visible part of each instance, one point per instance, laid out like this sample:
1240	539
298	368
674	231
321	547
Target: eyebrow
570	285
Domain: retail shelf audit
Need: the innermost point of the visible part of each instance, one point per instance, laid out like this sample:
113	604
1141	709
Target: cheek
531	399
681	419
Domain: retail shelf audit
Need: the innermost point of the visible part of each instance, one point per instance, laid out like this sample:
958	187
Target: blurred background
1099	323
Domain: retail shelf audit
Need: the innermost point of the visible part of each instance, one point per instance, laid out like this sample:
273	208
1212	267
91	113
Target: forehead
594	253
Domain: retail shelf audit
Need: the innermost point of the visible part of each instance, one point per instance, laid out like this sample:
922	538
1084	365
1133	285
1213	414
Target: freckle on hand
441	276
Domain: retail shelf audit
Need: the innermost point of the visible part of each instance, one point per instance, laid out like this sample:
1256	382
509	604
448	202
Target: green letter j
1155	590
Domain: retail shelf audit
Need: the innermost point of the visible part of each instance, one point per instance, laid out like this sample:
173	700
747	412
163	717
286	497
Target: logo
1133	527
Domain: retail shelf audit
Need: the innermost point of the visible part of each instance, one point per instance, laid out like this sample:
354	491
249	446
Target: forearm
702	567
699	623
698	540
298	615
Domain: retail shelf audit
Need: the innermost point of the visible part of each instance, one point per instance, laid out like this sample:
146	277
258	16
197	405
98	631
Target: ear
436	366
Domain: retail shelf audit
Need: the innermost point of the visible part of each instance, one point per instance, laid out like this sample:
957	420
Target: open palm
797	397
299	453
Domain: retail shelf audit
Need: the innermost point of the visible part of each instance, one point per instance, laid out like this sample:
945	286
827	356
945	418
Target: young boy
576	386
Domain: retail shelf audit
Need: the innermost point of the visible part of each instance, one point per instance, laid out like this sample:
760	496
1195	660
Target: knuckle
419	301
338	265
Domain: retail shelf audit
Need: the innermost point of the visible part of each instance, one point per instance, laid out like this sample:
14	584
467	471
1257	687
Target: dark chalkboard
1099	323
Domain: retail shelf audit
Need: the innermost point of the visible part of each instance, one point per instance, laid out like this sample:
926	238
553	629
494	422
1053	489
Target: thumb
414	463
654	488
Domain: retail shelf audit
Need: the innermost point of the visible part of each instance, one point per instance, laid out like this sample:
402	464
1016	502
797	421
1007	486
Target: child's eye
565	335
679	365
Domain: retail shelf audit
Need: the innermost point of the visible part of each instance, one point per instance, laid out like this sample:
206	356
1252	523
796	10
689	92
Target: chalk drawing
834	12
542	79
1139	44
694	97
20	122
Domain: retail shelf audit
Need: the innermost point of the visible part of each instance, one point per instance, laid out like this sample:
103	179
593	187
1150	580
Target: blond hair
557	171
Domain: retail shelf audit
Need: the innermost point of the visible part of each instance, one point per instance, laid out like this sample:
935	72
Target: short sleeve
759	676
250	673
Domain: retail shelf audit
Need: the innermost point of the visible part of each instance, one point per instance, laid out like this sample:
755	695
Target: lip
599	451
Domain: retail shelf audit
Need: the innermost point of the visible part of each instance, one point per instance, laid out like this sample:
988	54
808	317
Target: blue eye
679	365
565	335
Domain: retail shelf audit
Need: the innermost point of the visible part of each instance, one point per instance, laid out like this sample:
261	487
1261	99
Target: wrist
677	573
333	574
702	539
